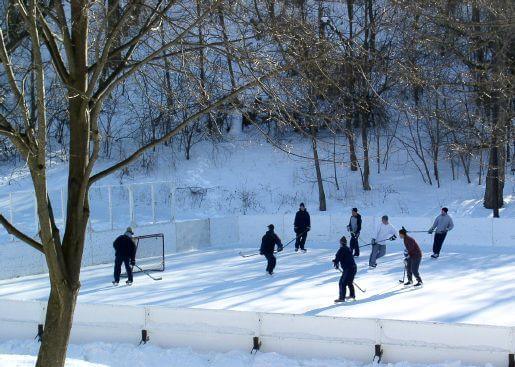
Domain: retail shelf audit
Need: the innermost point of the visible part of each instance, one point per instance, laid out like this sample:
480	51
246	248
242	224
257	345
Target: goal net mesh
150	253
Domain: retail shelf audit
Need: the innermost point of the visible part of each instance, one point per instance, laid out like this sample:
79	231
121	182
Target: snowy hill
248	175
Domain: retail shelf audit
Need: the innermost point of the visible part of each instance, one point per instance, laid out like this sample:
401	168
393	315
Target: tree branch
20	235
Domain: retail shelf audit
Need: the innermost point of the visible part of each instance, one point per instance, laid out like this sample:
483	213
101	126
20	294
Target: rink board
295	335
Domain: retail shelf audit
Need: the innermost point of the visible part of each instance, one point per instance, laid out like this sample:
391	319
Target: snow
467	284
21	353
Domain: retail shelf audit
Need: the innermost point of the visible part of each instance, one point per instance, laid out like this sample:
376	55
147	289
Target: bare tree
72	43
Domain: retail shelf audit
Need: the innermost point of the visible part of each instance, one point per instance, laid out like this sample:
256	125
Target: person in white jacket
384	232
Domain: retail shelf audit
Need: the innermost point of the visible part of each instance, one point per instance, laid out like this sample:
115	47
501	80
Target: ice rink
467	284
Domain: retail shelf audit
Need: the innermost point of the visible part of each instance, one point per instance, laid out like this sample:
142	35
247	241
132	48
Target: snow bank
21	353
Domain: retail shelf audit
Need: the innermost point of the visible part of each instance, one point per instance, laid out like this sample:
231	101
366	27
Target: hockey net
150	252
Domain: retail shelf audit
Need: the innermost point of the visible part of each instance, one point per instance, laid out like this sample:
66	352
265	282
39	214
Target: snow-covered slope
248	175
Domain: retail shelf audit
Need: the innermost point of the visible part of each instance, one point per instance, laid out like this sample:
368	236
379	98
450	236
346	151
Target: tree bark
321	194
58	323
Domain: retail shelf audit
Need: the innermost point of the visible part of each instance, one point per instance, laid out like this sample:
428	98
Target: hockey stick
377	242
146	273
403	275
356	284
415	231
275	252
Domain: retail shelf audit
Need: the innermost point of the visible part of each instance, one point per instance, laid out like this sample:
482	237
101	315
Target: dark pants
300	241
354	245
438	242
270	266
347	280
118	260
412	268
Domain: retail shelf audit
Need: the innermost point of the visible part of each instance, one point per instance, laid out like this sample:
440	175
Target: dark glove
133	262
335	264
348	228
430	231
356	235
393	238
406	261
261	252
308	229
279	248
373	242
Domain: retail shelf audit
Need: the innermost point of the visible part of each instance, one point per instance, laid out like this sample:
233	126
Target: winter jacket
443	223
124	247
384	232
356	226
412	247
268	242
344	258
302	220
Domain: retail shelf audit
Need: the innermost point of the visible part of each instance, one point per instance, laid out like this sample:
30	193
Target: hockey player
125	252
413	258
301	226
442	224
268	242
384	232
354	227
345	260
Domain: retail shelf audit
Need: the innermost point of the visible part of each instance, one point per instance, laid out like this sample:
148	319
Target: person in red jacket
412	261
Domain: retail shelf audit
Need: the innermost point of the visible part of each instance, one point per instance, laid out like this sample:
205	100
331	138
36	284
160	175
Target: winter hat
271	227
403	231
384	217
129	229
355	210
445	209
343	241
302	205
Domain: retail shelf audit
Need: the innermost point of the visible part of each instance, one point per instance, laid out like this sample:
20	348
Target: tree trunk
58	325
352	144
321	193
366	159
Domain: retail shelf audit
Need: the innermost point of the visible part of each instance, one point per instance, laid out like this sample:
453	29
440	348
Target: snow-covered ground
16	353
467	284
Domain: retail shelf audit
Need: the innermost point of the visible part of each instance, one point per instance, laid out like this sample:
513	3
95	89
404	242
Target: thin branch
20	235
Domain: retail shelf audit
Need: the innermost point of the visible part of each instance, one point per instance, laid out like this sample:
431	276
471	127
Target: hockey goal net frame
152	263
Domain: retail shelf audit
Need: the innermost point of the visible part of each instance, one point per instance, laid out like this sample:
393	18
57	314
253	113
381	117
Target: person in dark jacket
301	226
345	260
354	228
413	258
125	253
268	242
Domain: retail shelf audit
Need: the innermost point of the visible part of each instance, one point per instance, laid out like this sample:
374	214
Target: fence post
172	201
153	202
110	202
11	214
131	204
62	207
36	219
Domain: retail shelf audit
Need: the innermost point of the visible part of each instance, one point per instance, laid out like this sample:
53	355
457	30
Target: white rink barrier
294	335
18	259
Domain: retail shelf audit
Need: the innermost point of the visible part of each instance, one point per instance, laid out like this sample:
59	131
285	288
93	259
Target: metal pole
131	204
62	206
36	219
172	200
153	200
110	203
11	214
